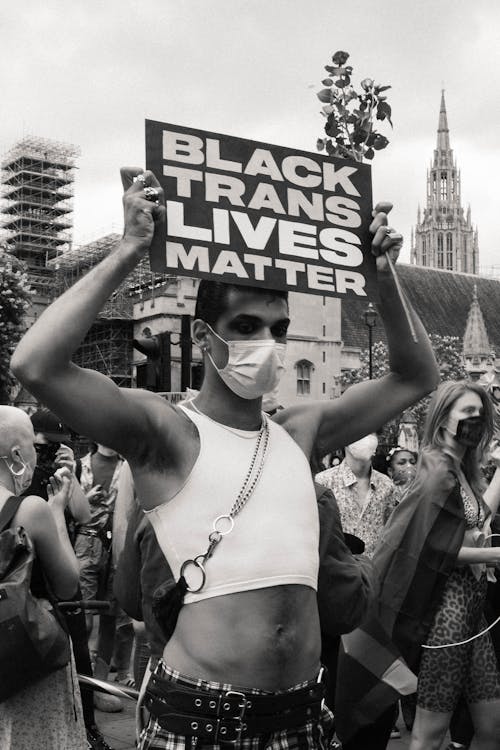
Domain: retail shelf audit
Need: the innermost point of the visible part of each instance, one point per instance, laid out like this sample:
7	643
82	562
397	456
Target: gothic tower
477	352
444	237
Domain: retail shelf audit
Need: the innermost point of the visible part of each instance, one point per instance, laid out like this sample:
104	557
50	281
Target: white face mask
22	477
364	449
253	367
107	452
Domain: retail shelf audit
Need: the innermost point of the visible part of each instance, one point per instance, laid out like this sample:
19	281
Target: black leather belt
228	716
104	536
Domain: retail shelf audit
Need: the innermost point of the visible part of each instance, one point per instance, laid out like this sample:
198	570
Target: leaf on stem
380	142
384	111
325	95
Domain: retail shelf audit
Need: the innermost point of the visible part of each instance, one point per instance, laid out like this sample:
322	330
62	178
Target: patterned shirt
364	522
102	511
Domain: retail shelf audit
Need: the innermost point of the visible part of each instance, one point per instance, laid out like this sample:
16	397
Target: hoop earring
16	473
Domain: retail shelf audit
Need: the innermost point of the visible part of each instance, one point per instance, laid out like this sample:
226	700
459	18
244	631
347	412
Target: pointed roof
443	134
476	342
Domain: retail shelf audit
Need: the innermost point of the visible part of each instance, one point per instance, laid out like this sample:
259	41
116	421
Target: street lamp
370	318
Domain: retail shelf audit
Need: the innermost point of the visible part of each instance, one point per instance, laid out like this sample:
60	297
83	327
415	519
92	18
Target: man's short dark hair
211	301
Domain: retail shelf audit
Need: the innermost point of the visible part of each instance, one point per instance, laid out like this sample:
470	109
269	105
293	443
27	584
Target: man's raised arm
367	406
87	400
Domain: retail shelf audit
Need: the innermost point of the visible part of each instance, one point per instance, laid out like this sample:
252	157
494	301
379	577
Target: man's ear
200	333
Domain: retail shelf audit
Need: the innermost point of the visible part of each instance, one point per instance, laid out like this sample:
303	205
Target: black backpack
33	641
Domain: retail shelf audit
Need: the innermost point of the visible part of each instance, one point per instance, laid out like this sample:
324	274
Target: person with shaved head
47	713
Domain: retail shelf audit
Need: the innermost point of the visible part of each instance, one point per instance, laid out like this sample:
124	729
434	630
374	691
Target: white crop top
275	537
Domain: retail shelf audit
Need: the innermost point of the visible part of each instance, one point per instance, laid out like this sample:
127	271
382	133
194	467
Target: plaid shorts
309	736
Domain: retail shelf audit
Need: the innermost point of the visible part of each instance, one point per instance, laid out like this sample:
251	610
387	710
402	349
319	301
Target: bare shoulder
33	514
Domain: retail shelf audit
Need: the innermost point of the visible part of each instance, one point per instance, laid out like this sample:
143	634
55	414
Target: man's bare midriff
267	639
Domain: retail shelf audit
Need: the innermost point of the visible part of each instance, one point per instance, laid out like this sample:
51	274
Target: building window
324	387
434	185
304	369
443	186
449	252
424	251
465	269
324	330
440	251
324	357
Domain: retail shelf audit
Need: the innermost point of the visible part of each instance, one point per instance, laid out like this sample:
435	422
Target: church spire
443	134
476	342
444	236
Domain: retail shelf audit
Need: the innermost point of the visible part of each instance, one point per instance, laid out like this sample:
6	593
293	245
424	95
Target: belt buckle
242	706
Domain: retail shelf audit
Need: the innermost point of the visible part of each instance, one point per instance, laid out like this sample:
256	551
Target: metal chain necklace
224	524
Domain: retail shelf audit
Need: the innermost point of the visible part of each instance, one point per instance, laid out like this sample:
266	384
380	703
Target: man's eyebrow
257	321
245	318
282	322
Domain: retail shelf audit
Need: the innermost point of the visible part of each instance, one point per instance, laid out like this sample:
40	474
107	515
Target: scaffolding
139	285
108	345
107	348
37	189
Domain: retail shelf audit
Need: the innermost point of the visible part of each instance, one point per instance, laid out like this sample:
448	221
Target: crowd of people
254	600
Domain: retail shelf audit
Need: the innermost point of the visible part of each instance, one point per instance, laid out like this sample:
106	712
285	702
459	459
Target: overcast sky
90	73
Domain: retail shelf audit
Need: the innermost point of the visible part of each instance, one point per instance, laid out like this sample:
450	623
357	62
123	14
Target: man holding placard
228	491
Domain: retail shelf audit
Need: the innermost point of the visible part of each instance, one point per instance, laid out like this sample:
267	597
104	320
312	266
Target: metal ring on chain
200	566
151	194
223	518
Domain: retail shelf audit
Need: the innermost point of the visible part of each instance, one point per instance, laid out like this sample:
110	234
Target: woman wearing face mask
459	427
47	714
401	466
432	566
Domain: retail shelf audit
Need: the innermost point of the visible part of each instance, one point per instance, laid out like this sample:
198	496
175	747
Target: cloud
90	72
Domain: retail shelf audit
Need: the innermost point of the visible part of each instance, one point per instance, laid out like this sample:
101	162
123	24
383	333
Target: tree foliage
14	298
447	350
350	114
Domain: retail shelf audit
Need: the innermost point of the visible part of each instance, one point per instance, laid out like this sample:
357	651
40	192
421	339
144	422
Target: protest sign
263	215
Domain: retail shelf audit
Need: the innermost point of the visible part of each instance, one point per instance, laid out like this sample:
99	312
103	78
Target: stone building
444	235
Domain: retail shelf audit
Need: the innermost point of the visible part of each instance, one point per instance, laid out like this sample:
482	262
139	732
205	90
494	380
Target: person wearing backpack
45	713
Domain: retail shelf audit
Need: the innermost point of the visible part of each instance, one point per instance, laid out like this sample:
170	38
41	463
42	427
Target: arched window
424	251
304	370
443	187
449	252
440	251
